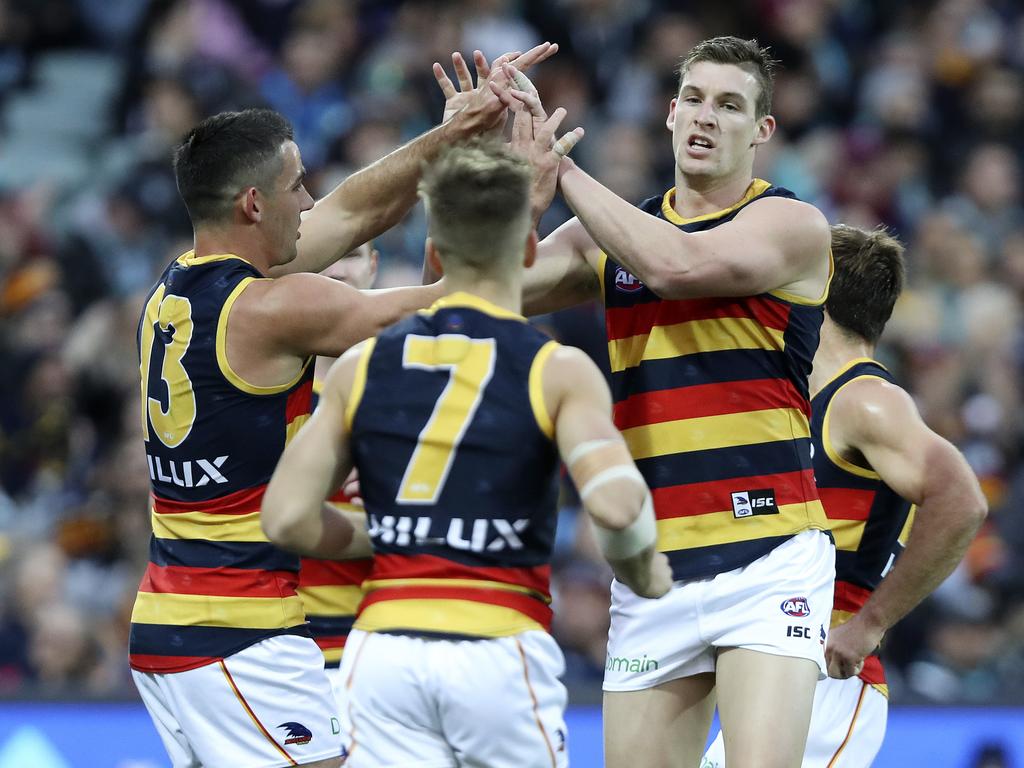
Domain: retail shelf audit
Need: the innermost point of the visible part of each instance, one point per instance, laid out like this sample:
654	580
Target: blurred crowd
908	113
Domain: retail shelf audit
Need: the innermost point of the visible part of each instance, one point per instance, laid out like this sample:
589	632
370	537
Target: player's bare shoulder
869	408
801	233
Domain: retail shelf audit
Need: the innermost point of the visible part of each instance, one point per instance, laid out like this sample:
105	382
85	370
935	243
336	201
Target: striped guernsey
711	396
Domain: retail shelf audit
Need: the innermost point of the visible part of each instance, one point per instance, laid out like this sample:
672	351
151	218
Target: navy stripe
199	553
702	562
700	368
321	626
827	475
505	558
212	642
736	462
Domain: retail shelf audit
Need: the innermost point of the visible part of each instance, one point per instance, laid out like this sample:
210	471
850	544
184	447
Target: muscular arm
314	464
771	244
877	423
292	317
565	272
578	400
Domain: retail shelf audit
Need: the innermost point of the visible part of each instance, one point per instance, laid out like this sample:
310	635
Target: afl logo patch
626	282
796	606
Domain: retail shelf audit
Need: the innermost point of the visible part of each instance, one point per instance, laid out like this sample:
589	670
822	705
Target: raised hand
533	136
480	102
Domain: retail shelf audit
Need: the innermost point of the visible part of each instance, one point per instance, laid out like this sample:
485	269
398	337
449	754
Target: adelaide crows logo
297	733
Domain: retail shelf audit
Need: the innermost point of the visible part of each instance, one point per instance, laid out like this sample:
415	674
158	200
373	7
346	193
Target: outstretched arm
771	244
314	464
611	487
376	198
878	421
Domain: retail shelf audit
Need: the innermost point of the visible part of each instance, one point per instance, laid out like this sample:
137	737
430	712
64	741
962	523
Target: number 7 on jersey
470	365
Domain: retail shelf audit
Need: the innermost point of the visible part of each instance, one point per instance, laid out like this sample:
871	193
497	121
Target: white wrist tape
631	540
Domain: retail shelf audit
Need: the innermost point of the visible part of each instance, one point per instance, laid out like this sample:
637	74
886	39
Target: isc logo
750	503
626	282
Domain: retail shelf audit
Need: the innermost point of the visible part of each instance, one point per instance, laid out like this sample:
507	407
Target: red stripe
708	400
849	597
340	497
299	403
846	503
528	606
873	672
716	495
146	662
334	573
240	502
331	642
623	322
225	582
431	567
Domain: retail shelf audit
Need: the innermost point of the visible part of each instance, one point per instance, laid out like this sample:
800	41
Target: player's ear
433	257
252	205
530	252
765	129
671	120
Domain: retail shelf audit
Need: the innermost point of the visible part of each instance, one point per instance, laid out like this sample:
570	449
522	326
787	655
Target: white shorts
847	727
266	706
780	604
434	703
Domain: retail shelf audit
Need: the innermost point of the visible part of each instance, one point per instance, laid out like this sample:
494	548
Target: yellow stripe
331	600
679	533
907	526
540	408
803	301
218	611
470	583
472	301
839	618
692	337
189	258
705	433
293	427
847	533
602	262
826	438
332	655
222	349
208	527
459	617
757	187
358	383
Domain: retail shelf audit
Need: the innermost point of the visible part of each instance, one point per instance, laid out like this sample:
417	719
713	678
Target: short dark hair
745	54
869	275
477	195
226	153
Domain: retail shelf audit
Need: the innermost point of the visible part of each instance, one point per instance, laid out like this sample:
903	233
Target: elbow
667	283
615	512
977	510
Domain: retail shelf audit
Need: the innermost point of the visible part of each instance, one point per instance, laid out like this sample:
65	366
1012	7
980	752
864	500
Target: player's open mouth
699	145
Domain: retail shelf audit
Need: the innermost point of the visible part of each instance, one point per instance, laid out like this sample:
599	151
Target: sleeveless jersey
711	397
867	517
458	472
214	584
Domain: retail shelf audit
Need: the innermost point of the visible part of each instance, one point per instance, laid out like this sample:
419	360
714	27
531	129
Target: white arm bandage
609	461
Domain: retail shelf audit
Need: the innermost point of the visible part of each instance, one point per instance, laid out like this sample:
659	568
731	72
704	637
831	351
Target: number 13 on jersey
470	365
166	331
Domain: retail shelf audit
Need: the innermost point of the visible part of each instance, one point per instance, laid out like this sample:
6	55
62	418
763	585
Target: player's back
214	584
458	473
866	516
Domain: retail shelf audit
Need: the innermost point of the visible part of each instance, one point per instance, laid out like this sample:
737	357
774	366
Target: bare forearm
944	527
325	532
631	237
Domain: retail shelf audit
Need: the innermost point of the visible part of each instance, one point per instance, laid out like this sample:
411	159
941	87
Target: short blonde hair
477	195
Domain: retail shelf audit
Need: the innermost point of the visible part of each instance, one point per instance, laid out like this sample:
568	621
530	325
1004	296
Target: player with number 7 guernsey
455	419
220	650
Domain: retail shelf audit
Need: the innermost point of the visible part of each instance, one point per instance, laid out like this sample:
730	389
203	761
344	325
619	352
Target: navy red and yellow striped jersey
711	398
214	583
458	472
868	518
